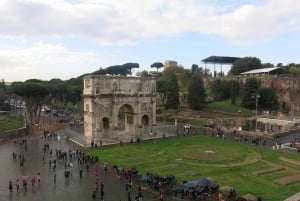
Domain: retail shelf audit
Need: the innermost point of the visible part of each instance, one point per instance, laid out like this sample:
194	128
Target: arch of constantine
118	107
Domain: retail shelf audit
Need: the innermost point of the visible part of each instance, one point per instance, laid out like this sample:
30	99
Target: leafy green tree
69	106
195	68
250	91
113	70
245	64
123	70
64	91
294	70
196	92
59	90
234	91
182	76
59	106
118	70
2	92
163	87
216	89
34	93
267	65
221	89
173	94
130	66
75	88
2	97
268	99
157	65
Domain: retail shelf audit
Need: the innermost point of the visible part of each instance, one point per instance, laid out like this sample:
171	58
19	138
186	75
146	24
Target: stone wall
13	134
287	89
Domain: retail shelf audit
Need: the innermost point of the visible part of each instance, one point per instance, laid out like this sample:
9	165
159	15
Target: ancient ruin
117	108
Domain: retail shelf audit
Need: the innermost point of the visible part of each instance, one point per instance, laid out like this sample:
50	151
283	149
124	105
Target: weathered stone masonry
103	98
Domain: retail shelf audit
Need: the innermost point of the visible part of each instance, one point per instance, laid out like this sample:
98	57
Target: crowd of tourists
68	160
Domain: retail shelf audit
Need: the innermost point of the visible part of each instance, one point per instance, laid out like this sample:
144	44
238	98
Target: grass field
226	107
225	162
10	122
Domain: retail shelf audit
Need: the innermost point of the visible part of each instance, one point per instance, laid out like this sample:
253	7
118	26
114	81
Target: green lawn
226	107
10	122
190	158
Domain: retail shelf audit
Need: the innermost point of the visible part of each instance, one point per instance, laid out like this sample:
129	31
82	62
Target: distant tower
170	63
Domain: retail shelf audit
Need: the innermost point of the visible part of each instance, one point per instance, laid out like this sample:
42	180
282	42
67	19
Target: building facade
118	107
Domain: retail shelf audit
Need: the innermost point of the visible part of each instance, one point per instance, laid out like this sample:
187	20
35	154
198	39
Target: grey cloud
130	21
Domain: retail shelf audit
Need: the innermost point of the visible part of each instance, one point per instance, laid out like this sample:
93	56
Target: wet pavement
65	189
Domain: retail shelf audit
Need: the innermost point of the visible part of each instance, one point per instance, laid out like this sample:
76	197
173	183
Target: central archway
126	119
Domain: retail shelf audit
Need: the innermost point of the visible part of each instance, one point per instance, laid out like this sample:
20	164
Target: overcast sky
47	39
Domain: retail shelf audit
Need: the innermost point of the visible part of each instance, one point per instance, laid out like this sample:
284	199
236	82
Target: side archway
145	124
105	125
145	120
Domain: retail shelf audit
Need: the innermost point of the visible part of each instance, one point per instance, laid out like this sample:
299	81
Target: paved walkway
65	189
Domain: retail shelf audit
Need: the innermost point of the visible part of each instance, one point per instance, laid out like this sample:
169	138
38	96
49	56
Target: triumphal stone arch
117	108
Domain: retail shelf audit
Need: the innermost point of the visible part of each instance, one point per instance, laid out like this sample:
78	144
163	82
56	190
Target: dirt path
290	160
47	124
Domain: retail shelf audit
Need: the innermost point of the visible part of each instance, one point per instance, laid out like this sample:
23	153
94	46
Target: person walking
102	186
140	194
80	173
17	185
25	184
10	186
105	167
129	196
96	186
102	195
54	178
161	196
32	182
96	173
39	177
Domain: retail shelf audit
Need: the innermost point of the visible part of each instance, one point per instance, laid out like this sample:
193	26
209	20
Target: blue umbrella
190	185
144	178
205	181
